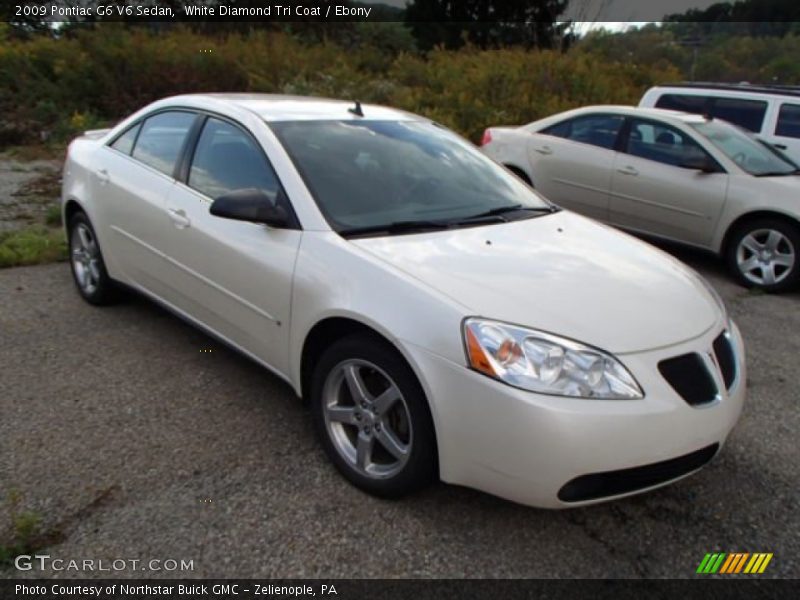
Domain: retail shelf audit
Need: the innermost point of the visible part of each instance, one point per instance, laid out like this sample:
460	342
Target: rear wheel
86	260
372	417
763	253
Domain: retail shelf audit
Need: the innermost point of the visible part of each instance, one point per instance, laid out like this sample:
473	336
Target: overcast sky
613	10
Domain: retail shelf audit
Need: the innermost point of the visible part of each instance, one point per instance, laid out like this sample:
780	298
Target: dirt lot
129	441
27	190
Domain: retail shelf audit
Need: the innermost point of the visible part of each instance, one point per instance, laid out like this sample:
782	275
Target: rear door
652	193
133	183
234	276
572	162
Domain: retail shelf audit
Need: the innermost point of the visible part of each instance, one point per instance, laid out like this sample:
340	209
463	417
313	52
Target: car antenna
356	110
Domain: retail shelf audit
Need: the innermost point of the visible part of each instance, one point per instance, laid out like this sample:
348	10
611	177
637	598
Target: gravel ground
27	190
132	442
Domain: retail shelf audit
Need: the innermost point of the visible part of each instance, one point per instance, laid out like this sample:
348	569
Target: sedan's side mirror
251	205
699	162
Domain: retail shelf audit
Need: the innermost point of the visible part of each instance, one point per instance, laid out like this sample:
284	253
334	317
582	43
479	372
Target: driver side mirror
699	162
251	205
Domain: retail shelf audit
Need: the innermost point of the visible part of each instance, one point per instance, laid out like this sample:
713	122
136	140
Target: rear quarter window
124	143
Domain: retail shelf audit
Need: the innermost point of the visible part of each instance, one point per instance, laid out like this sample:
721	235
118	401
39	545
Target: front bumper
526	447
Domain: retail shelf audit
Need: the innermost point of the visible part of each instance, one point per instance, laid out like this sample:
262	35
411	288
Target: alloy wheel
367	419
765	257
85	258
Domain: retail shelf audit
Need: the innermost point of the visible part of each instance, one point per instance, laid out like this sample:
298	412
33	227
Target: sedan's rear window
373	173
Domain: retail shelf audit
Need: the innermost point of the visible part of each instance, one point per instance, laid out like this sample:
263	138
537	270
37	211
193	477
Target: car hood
560	273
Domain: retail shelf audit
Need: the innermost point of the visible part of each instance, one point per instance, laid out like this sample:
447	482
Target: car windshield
747	151
384	175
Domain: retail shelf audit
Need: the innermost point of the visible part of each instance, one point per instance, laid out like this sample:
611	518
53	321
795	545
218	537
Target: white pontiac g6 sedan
441	318
677	176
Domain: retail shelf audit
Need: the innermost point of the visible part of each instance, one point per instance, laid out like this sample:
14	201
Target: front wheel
764	254
372	417
86	260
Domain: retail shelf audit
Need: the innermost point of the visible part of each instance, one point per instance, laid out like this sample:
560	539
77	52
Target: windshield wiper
778	173
395	227
496	212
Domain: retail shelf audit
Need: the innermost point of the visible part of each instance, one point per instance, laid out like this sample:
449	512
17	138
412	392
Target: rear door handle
544	150
178	218
102	177
628	171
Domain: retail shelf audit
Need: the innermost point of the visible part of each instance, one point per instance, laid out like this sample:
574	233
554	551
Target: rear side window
596	130
124	143
683	103
788	121
161	140
744	113
228	159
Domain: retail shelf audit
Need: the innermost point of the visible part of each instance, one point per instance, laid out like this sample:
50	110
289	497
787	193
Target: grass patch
32	246
51	151
53	215
25	531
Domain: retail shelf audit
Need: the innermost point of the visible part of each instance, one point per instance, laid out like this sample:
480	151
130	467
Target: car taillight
487	137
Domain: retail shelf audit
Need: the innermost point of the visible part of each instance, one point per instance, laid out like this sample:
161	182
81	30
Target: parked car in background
771	112
678	176
441	318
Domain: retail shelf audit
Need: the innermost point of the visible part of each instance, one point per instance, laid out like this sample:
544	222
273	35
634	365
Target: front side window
661	143
227	159
367	174
596	130
161	140
124	143
751	154
788	121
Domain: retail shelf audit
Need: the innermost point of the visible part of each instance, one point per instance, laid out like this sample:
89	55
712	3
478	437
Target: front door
652	193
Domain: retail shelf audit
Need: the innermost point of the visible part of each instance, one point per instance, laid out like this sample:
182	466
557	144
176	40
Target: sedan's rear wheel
372	417
764	254
86	260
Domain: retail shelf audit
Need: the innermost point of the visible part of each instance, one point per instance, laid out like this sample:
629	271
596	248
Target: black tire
104	291
785	278
421	466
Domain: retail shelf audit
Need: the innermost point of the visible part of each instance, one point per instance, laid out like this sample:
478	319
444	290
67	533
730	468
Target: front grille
688	375
613	483
723	350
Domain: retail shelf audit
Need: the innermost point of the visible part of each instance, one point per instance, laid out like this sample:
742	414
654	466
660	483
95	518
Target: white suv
771	112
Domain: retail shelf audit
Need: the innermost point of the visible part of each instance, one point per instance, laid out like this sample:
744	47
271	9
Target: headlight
545	363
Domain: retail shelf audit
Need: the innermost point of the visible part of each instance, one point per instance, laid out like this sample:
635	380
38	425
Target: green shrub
56	87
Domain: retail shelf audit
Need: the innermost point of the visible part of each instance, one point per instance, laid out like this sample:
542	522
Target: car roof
278	107
749	88
636	111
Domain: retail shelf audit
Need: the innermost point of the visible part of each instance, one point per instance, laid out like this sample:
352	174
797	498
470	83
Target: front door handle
628	171
544	150
780	146
102	177
179	218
